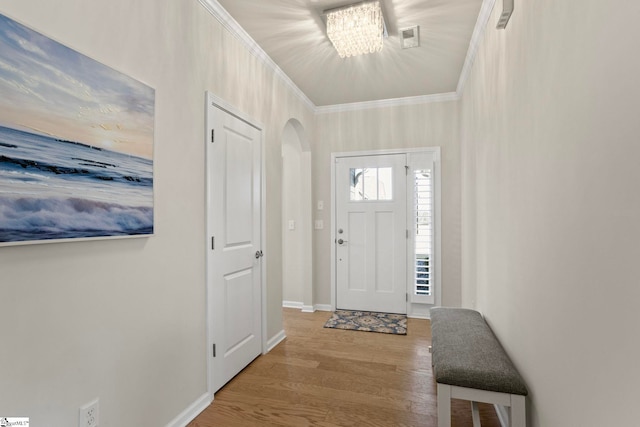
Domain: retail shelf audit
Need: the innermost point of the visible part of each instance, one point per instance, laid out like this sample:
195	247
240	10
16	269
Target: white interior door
371	233
234	253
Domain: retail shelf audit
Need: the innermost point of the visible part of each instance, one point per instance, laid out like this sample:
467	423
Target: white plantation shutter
423	223
423	216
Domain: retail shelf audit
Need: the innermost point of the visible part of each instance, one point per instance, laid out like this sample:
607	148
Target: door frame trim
438	217
213	101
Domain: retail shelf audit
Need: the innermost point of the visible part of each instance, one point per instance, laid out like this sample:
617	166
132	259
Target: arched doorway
297	274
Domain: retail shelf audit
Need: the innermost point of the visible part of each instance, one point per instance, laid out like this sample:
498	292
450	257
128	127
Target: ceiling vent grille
409	37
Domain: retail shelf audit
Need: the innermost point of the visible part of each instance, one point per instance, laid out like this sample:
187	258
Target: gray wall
124	320
540	212
410	126
551	207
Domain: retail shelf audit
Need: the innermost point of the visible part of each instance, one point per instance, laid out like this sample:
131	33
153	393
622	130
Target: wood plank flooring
329	377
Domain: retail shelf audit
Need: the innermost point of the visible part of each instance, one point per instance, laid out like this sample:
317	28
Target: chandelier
357	29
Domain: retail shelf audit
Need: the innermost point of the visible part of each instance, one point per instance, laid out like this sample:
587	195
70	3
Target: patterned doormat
368	321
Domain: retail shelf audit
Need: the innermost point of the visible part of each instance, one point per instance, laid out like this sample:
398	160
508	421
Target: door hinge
213	135
214	350
407	235
213	242
406	297
406	170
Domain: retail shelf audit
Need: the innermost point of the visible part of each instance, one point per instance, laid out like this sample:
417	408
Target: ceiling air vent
409	37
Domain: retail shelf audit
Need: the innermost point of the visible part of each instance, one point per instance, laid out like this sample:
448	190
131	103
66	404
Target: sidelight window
423	239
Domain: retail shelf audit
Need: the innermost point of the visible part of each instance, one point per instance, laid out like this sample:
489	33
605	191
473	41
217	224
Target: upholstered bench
469	363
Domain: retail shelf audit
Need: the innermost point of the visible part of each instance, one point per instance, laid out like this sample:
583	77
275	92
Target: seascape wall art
76	144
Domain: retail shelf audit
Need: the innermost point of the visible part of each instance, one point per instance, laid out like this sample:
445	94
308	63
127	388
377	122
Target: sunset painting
76	144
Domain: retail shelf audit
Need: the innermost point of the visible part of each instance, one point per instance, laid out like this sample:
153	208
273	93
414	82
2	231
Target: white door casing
371	233
234	238
418	159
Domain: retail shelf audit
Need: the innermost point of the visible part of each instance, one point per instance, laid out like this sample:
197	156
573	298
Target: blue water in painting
54	189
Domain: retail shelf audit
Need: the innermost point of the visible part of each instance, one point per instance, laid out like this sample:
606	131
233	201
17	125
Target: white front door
371	233
234	243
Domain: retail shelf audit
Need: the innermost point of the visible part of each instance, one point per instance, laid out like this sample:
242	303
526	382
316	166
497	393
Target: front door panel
371	233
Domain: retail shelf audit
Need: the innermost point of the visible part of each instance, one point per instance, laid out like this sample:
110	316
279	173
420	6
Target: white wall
124	320
550	149
297	245
292	240
410	126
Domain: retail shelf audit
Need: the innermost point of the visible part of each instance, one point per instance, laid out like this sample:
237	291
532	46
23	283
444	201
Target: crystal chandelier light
357	29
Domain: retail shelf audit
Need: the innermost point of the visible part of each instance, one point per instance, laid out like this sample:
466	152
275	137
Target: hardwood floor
328	377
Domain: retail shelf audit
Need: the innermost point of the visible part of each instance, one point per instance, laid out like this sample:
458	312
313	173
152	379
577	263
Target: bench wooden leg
518	411
444	405
475	414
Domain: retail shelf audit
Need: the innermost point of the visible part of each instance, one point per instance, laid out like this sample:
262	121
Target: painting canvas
76	144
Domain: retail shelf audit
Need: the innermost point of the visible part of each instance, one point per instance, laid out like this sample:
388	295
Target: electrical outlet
89	414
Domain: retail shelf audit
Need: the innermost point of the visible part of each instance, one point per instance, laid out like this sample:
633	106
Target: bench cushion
466	353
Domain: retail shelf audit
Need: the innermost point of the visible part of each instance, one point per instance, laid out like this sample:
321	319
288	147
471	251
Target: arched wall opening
297	269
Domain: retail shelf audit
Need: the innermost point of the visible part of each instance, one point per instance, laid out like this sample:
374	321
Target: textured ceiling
293	34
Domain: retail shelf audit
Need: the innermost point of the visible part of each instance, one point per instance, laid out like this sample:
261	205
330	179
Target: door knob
259	254
340	241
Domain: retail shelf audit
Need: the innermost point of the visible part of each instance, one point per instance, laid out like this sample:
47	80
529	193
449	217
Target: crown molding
235	29
393	102
476	37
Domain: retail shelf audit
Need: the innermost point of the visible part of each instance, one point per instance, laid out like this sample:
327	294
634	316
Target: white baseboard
192	411
419	311
503	415
275	340
419	316
306	308
292	304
